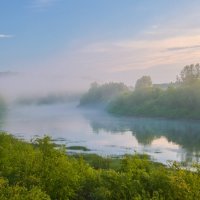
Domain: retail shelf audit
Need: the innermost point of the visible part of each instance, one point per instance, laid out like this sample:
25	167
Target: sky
67	44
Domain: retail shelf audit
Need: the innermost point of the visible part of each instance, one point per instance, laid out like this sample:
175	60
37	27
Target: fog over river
105	134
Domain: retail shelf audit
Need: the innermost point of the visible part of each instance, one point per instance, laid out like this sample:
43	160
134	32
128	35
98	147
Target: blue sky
104	40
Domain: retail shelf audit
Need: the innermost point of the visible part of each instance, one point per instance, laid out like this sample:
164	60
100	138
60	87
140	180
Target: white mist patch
37	84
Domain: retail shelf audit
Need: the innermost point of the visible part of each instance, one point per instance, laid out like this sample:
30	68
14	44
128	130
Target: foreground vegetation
38	171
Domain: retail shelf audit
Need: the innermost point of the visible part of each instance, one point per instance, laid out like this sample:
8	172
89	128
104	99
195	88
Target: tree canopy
102	94
189	74
143	82
177	101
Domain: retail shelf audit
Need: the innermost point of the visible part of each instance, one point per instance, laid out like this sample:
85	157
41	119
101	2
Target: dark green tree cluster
102	94
182	101
39	171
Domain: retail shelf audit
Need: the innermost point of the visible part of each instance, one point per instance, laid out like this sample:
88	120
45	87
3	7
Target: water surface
105	134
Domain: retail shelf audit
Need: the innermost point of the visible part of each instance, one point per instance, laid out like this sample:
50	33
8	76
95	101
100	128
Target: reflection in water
105	134
147	130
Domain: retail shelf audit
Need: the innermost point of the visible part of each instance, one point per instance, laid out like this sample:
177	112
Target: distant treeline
178	100
102	94
2	107
48	99
39	171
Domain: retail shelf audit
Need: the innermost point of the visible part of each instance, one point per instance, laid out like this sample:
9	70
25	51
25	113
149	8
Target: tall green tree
190	74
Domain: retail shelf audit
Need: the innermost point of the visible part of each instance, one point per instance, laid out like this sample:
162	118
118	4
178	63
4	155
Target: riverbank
179	100
105	134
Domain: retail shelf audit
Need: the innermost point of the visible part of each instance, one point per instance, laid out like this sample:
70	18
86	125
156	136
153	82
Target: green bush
39	171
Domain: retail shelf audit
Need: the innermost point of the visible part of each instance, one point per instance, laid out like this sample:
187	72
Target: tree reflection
146	130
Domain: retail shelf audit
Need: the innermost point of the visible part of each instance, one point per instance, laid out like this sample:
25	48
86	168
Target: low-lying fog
26	87
104	134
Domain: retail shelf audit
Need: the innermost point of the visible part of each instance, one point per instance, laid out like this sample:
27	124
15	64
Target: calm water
104	134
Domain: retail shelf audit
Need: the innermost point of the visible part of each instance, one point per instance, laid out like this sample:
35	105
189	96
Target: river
164	140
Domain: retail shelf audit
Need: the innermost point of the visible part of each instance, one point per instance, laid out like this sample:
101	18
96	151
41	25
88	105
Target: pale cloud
4	36
155	26
184	48
119	56
161	51
120	60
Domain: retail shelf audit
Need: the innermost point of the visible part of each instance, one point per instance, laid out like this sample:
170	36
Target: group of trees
179	100
38	171
102	94
190	74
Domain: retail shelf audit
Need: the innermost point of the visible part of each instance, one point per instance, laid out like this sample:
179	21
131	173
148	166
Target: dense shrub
39	171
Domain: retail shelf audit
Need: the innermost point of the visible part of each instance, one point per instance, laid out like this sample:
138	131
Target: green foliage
174	102
143	82
39	165
178	100
99	162
141	102
190	74
102	94
39	171
17	192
